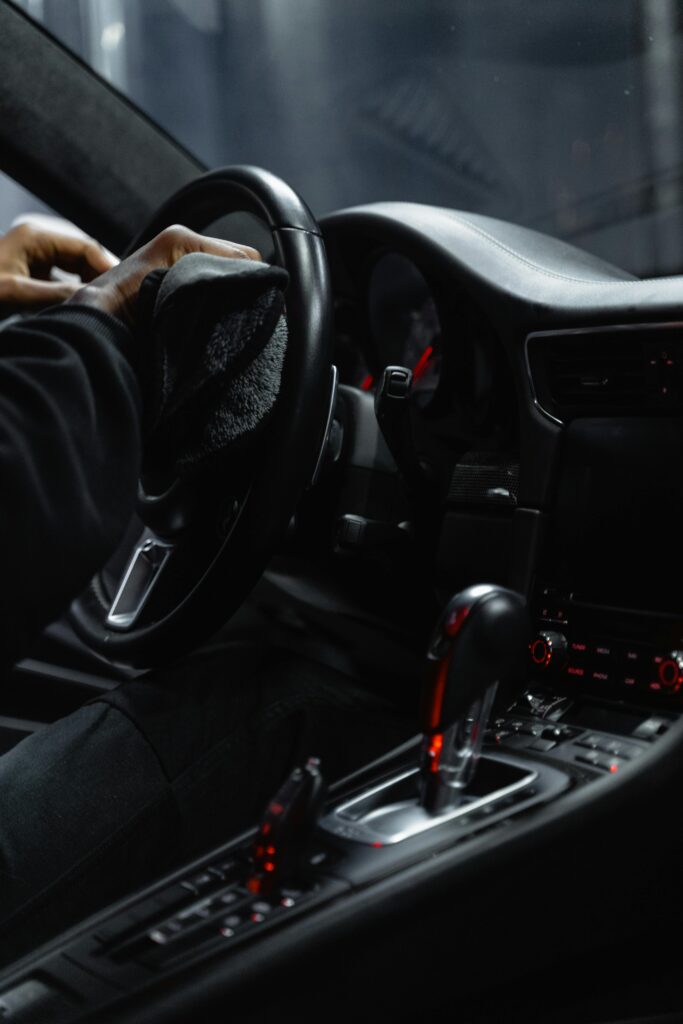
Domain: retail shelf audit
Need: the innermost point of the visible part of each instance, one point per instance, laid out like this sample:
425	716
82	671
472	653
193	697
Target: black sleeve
69	460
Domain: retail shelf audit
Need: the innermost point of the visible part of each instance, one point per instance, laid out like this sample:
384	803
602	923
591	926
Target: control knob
671	671
547	649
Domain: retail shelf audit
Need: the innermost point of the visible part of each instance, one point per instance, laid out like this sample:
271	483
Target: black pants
158	771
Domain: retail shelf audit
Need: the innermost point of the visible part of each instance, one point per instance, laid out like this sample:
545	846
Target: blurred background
564	115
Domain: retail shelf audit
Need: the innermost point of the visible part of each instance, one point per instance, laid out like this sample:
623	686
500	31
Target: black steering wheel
198	548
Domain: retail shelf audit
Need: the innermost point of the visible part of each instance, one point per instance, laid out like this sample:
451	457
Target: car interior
470	497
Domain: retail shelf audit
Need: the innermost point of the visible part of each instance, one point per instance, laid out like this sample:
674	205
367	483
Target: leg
159	771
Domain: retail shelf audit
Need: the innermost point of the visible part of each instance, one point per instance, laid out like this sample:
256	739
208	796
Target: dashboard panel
553	384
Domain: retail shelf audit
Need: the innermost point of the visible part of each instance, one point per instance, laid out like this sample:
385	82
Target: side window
15	202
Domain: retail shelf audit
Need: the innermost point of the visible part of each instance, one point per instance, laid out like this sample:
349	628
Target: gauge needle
422	363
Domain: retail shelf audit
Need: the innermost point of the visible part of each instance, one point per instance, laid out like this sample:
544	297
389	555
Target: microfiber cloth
214	338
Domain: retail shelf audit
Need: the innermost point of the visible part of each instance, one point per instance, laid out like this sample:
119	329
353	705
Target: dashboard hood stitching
557	275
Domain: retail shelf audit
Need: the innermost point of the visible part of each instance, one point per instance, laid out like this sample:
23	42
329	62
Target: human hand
116	291
29	253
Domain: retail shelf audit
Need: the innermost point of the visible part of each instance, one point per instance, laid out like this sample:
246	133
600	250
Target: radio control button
548	648
670	671
591	741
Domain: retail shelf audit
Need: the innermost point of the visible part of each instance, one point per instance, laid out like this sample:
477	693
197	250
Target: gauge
404	323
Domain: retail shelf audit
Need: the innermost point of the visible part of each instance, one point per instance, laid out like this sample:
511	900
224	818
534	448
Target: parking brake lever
477	644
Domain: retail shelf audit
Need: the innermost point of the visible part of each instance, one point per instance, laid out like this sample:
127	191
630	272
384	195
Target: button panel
608	651
600	751
211	906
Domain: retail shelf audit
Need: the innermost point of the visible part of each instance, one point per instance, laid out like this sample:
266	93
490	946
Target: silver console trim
411	818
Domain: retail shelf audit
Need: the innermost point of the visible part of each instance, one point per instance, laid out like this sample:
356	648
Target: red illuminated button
548	648
670	671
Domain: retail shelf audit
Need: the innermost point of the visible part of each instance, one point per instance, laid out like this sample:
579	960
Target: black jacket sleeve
69	460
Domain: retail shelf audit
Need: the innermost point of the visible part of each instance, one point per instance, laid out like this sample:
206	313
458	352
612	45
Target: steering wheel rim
233	561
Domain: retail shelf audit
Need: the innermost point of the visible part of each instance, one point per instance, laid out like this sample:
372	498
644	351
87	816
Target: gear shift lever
475	646
479	642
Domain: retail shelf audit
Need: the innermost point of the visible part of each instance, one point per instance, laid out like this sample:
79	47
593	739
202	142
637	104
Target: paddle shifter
476	645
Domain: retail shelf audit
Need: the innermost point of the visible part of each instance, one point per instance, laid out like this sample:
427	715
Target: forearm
69	460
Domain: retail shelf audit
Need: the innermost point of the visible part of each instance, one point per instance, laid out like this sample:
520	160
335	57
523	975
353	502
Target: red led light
455	621
669	674
270	850
434	752
269	867
438	691
254	885
422	363
276	808
541	652
378	846
614	768
367	382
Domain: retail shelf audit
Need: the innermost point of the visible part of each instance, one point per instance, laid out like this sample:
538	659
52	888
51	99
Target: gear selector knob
478	642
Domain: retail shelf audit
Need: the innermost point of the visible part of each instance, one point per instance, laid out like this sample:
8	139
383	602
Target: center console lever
279	850
477	643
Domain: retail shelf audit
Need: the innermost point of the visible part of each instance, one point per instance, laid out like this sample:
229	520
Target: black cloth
70	452
215	342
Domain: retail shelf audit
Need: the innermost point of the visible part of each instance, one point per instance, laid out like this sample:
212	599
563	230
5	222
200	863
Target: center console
441	799
601	689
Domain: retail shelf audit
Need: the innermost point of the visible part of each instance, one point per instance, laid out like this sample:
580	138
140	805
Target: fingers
31	250
116	291
217	247
177	241
83	256
79	256
17	290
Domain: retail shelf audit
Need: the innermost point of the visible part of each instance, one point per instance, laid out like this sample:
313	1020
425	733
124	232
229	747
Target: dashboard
547	403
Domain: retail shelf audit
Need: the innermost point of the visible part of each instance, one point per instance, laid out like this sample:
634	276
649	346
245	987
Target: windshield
562	115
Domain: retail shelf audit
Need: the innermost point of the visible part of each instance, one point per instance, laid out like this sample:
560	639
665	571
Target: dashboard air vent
613	371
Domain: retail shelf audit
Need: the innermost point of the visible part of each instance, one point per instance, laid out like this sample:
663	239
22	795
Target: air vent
614	371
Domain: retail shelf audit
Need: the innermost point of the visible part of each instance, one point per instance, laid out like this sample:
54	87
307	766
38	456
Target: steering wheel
195	550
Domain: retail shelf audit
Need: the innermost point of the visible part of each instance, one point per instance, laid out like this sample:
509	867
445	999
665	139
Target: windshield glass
558	114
